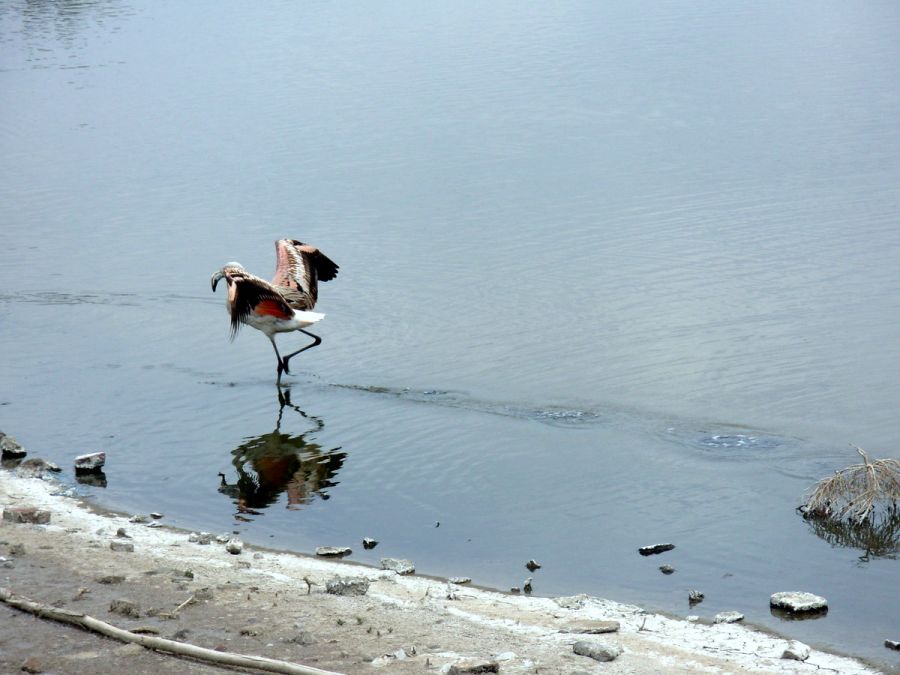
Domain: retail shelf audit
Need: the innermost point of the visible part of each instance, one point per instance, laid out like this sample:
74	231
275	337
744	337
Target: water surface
610	276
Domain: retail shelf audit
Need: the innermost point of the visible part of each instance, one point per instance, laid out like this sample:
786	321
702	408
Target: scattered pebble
202	538
234	546
125	607
667	569
223	538
798	601
368	543
533	565
597	650
400	566
347	586
26	514
728	617
122	546
156	515
656	548
333	551
796	651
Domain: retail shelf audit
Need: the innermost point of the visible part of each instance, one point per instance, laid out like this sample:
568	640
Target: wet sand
275	604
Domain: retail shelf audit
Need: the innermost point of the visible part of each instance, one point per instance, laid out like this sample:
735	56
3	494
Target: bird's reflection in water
275	462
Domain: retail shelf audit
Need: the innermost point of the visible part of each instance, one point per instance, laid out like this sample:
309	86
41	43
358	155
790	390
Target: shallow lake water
611	275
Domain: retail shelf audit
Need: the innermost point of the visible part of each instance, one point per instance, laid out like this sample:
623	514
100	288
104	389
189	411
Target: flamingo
284	304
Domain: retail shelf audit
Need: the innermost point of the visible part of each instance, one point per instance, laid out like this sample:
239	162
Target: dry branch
257	663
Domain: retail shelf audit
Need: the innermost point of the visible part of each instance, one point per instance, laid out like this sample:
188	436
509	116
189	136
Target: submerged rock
368	543
798	601
598	651
695	597
667	569
533	565
656	548
400	566
90	463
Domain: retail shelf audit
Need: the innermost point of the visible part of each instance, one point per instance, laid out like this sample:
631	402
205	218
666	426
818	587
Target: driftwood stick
257	663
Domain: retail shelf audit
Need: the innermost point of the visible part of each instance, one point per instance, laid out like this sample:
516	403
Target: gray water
611	274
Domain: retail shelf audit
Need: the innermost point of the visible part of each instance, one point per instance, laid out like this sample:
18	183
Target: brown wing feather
245	292
300	267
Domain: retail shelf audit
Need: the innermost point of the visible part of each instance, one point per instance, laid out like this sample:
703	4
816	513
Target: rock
10	448
667	569
692	618
590	626
333	551
473	666
460	580
597	650
798	601
347	586
656	548
26	514
32	665
91	463
527	585
223	538
695	597
533	565
111	579
892	644
125	607
202	538
121	533
35	468
156	515
368	543
400	566
796	651
138	519
122	546
728	617
234	546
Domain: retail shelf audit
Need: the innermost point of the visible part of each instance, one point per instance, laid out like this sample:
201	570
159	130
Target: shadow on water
275	463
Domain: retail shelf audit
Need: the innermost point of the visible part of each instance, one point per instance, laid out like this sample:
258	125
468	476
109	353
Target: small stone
400	566
460	580
155	524
125	607
798	601
892	644
90	463
347	586
590	626
121	533
223	538
122	546
656	548
10	447
234	546
667	569
32	665
35	468
474	666
203	538
796	651
333	551
692	618
368	543
515	590
533	565
597	650
695	597
156	515
26	514
111	579
728	617
138	519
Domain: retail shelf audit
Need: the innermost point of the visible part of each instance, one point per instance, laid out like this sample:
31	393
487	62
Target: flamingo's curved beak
215	279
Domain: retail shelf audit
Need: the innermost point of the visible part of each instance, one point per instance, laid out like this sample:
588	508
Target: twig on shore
257	663
183	605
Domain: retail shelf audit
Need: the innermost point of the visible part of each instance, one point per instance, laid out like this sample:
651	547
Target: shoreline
274	604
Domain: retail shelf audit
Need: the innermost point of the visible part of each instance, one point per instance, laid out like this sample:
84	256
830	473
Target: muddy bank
276	605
